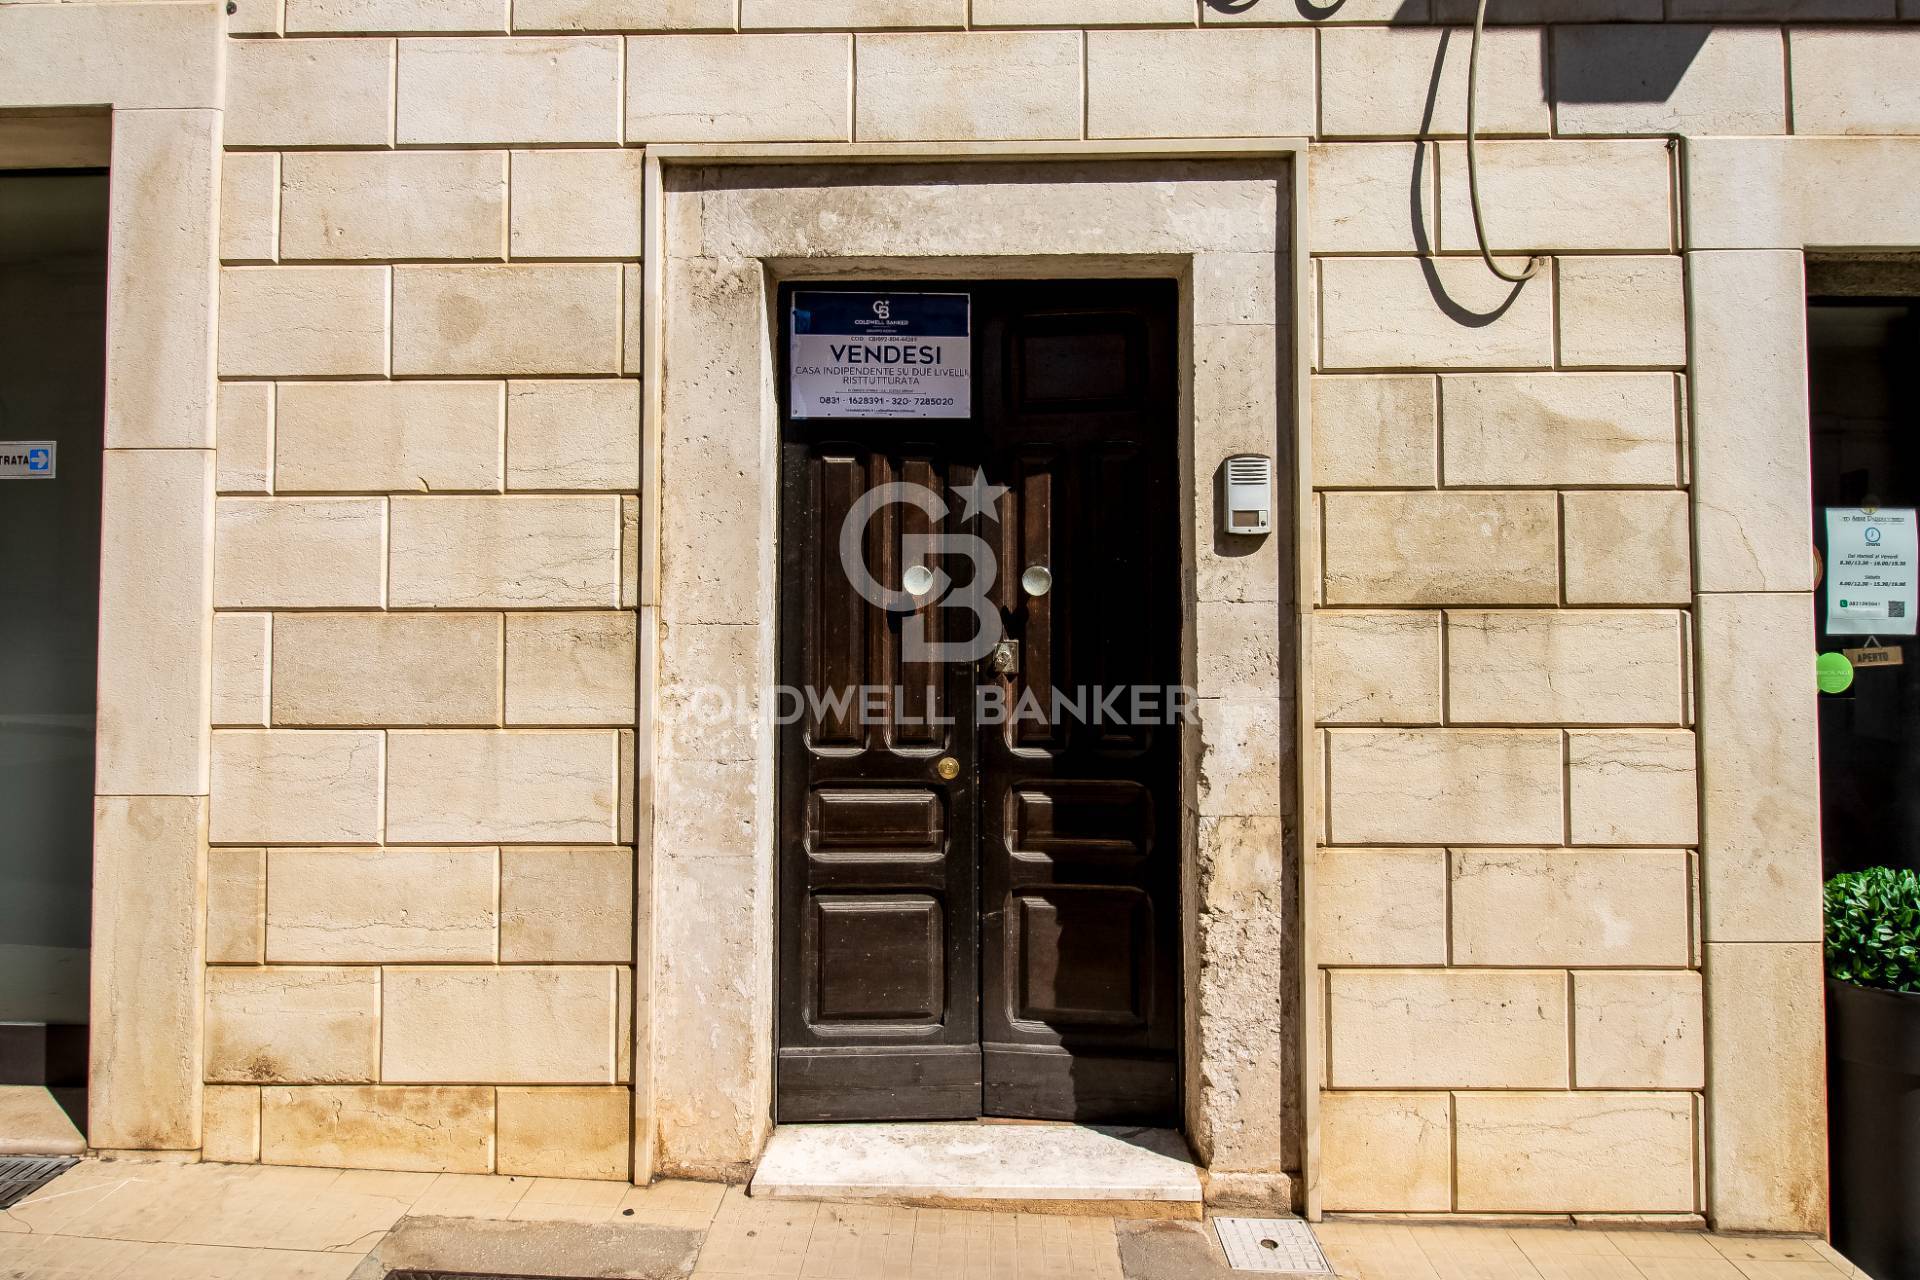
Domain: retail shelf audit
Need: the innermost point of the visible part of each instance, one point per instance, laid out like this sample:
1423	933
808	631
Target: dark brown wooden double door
979	848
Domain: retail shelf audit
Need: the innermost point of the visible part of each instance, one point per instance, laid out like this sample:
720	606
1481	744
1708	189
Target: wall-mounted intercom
1246	494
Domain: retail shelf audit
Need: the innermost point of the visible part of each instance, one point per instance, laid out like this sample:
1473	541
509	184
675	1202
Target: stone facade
400	866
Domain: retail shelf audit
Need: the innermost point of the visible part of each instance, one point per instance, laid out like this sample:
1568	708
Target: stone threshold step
32	1124
1032	1168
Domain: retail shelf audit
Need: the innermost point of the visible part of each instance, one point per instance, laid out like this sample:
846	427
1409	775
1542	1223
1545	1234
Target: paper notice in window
1871	554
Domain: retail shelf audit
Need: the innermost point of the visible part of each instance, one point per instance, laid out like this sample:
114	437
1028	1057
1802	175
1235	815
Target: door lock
1004	660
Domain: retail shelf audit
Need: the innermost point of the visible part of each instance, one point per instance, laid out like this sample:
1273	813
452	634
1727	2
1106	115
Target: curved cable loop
1534	264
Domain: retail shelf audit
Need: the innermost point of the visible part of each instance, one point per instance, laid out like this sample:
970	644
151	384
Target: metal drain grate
21	1176
1271	1244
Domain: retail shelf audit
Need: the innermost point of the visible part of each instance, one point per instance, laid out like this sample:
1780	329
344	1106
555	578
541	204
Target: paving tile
1664	1244
1698	1268
1766	1248
471	1195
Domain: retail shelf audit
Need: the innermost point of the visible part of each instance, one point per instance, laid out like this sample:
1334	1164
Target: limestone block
1782	193
395	15
567	905
292	1025
489	553
1638	1031
1464	786
705	1024
1568	1152
236	905
565	1133
393	204
249	206
155	622
917	211
1766	1033
149	879
522	787
1622	311
277	786
738	88
1351	11
633	354
1432	1028
1568	666
705	808
1629	786
1200	84
528	90
1449	547
571	668
1239	755
1383	82
380	905
576	204
1759	785
1083	13
1235	373
1380	906
1627	548
243	432
1570	907
524	318
376	437
1386	1152
444	1130
256	17
1560	428
515	1025
1239	651
230	1125
1373	431
290	553
160	279
623	15
567	434
133	56
629	552
1801	10
1751	477
707	672
1376	667
1371	197
1440	313
1564	194
1660	79
309	93
293	322
842	15
1526	11
937	87
1855	82
387	669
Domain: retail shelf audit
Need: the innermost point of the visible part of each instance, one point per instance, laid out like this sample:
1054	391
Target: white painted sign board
1870	572
881	355
27	459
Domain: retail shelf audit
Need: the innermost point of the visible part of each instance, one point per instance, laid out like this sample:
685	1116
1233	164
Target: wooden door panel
1005	942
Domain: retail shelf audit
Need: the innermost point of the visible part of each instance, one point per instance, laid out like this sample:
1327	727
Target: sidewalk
127	1220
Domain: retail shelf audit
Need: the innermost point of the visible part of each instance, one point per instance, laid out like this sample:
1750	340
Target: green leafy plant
1873	928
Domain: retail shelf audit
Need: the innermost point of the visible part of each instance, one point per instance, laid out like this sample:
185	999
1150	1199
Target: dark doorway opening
979	906
53	239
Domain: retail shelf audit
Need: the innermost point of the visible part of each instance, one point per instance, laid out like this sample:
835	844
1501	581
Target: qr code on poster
1896	608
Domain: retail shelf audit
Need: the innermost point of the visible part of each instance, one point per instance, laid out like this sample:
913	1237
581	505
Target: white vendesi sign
1871	556
881	355
27	459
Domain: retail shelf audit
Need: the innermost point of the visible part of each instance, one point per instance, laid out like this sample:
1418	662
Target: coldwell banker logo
924	587
882	309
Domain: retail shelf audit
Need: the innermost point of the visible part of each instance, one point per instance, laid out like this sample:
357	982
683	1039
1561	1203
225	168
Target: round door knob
948	768
1037	580
917	580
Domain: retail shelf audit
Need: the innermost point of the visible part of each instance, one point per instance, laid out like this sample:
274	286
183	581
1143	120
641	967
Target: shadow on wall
1588	63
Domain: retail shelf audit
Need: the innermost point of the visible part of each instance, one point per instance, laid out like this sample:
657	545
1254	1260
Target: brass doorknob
948	768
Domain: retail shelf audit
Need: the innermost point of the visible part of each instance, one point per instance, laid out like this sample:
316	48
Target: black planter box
1873	1125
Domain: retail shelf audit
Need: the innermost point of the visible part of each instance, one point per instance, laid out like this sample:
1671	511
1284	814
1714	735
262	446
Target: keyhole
1269	1244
